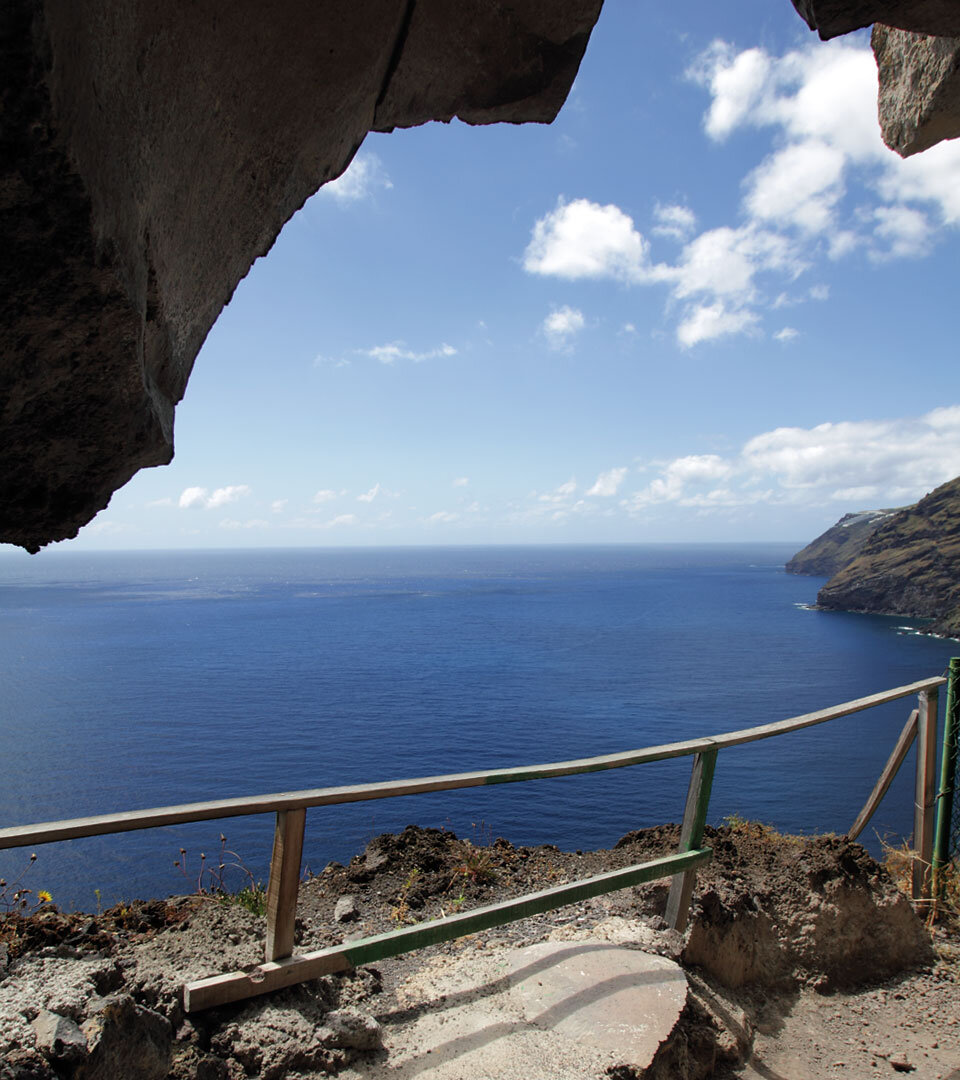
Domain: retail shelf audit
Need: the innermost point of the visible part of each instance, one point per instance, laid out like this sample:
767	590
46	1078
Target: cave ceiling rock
152	151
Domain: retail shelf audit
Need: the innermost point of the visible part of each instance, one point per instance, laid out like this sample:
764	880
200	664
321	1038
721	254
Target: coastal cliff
839	545
909	564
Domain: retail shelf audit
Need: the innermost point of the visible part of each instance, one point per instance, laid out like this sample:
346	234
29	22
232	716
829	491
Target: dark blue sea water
144	679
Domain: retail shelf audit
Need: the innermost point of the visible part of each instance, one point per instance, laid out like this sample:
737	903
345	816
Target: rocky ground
802	957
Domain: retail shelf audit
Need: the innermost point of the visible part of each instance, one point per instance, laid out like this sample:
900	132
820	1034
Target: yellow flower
43	897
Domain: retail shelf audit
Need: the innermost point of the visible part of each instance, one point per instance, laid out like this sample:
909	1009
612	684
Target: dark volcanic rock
831	18
151	152
839	545
909	566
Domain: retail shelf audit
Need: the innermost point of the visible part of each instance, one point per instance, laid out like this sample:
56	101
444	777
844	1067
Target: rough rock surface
831	18
909	566
152	151
919	101
839	545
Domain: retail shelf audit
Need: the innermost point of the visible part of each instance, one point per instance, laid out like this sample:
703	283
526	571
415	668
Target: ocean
143	679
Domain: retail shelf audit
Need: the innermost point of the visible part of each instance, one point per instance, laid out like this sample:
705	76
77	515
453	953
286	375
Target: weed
475	864
400	912
15	897
943	906
216	881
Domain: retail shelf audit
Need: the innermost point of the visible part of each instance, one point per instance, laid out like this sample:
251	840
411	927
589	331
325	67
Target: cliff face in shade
910	565
151	151
839	545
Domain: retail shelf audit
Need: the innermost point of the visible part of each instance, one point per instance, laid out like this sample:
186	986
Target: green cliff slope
909	565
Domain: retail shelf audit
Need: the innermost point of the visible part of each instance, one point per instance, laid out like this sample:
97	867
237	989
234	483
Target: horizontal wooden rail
126	821
239	985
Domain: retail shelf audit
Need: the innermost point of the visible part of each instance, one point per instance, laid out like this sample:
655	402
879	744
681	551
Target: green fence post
948	773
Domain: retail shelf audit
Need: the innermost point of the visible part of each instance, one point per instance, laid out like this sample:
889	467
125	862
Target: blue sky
704	304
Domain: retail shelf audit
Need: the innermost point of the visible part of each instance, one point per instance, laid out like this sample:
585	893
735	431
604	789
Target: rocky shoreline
777	922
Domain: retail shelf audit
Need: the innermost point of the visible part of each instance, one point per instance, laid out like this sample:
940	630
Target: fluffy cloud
608	483
562	325
677	222
369	496
708	321
390	354
364	177
325	495
582	239
788	333
827	187
193	498
862	464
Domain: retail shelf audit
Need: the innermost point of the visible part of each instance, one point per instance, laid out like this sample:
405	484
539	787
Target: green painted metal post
948	773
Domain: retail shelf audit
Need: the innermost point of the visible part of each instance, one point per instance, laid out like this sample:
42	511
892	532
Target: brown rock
919	88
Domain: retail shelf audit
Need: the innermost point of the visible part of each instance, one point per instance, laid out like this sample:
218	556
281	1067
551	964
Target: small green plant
216	881
16	898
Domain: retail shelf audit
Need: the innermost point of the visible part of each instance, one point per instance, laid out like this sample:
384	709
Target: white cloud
582	239
364	176
559	494
788	333
826	188
608	483
677	222
736	83
562	325
341	519
390	354
444	517
201	498
253	523
461	481
192	497
800	185
225	495
708	321
278	506
370	495
907	232
325	495
864	464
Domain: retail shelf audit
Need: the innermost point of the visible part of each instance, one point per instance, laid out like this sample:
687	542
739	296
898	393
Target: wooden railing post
691	836
284	883
924	809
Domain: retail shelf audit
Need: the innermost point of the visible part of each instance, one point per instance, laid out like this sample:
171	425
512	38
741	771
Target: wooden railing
282	968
